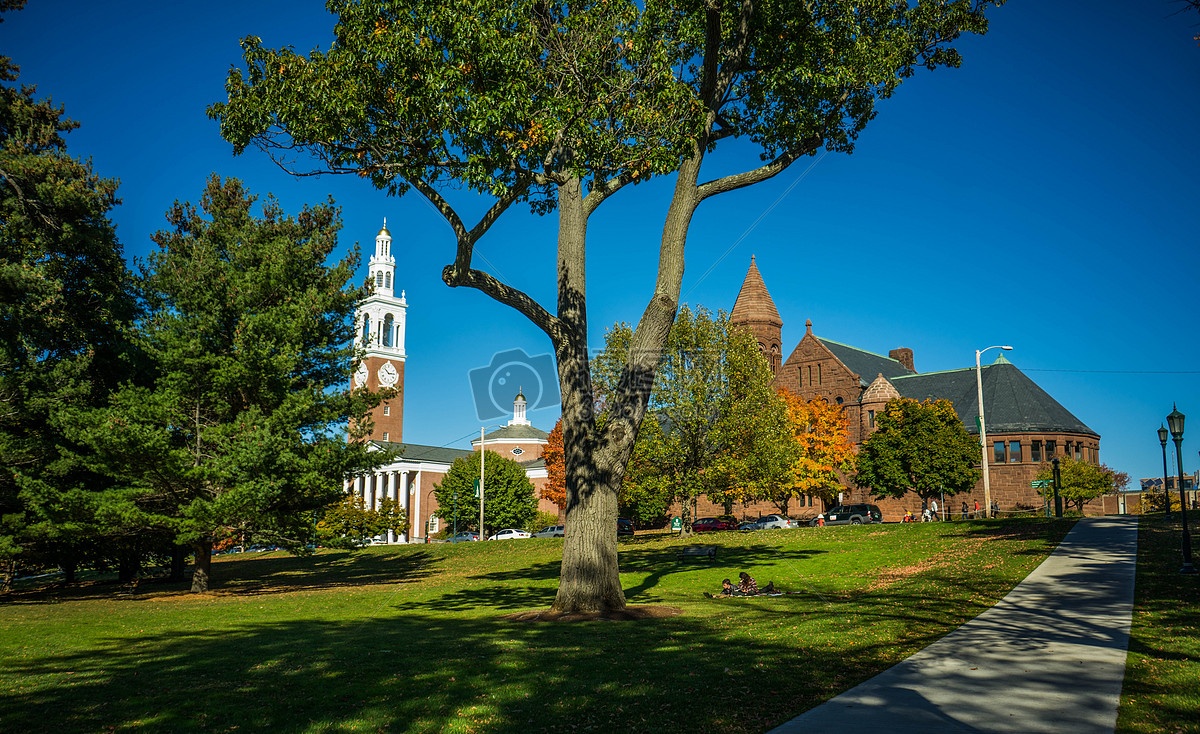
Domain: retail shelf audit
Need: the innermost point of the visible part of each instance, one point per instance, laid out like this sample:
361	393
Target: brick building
1025	425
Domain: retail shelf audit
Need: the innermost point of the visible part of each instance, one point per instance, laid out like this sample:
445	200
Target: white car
775	521
554	531
509	534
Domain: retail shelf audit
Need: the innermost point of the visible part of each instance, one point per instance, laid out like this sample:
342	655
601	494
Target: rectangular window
1014	452
819	382
998	452
1078	452
387	410
1051	449
871	419
1035	451
385	436
810	382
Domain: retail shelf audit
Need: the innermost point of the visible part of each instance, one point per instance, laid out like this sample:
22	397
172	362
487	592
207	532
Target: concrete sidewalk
1050	657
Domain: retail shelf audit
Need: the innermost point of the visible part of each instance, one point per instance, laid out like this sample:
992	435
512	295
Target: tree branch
758	175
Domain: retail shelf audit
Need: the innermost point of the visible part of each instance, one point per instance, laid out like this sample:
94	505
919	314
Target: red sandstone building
1025	425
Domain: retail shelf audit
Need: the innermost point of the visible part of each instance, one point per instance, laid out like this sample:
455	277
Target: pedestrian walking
933	508
964	510
977	515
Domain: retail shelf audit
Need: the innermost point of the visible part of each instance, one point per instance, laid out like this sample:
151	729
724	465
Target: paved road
1050	657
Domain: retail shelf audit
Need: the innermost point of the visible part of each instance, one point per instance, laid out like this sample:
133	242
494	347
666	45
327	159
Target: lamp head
1162	435
1006	348
1175	421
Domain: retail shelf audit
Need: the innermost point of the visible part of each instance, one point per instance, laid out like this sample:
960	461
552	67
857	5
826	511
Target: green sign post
676	524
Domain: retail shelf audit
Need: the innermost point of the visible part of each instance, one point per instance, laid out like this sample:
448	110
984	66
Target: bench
698	551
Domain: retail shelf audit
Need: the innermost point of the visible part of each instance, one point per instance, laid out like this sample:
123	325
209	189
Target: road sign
676	523
1040	483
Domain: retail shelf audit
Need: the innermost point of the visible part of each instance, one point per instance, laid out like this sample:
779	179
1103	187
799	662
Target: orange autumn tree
823	436
555	489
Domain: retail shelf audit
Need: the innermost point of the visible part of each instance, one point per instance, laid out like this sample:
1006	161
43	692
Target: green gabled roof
419	452
509	433
1014	403
866	365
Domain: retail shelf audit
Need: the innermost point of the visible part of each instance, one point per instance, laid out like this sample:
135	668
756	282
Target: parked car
771	522
748	525
711	524
850	515
465	536
509	534
624	527
553	531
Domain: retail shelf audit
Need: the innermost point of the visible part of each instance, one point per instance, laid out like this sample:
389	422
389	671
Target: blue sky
1046	195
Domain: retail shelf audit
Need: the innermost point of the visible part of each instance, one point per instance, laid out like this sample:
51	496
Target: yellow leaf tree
822	434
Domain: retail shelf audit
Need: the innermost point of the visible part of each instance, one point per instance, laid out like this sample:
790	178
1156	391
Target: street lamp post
1162	438
983	447
1175	421
1057	483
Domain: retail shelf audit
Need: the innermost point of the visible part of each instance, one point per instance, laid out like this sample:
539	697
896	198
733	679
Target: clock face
360	376
388	375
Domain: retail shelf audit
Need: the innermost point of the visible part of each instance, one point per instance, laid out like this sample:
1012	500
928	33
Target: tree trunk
178	562
595	457
9	574
69	567
203	550
129	563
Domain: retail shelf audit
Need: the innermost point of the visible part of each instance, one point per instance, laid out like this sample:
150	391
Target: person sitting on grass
726	588
746	585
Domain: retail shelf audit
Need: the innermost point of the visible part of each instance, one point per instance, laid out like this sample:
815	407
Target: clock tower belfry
379	336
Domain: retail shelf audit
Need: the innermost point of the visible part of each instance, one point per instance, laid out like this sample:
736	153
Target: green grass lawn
1162	673
413	638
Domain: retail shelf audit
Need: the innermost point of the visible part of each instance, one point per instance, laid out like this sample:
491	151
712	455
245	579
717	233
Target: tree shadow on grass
421	671
452	663
657	563
252	573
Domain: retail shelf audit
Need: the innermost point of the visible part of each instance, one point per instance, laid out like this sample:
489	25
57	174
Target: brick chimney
904	356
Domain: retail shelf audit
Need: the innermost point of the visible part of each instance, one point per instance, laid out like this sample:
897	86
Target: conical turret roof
754	304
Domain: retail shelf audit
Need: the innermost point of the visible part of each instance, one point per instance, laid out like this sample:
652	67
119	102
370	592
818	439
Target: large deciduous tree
249	333
508	498
1083	482
721	432
919	447
66	301
560	105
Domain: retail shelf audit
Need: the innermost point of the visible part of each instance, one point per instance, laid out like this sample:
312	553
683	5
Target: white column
404	500
420	529
379	489
391	495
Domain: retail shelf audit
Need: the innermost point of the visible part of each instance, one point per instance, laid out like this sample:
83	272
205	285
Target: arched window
387	280
366	332
388	330
379	279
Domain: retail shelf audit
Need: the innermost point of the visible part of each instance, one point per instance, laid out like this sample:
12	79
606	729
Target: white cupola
383	265
519	418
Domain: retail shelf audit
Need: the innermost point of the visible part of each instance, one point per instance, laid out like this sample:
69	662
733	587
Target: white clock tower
380	336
